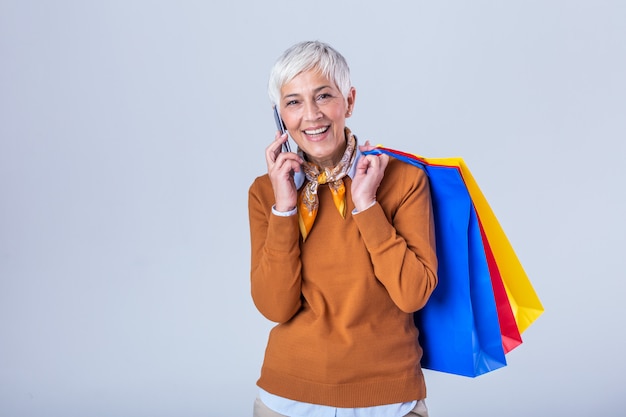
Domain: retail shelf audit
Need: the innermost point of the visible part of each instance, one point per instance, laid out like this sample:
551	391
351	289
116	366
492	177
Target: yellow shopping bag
524	301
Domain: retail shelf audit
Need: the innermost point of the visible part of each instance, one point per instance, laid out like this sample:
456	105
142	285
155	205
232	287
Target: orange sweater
344	299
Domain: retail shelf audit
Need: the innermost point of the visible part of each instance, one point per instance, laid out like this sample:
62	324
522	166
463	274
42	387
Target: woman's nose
312	111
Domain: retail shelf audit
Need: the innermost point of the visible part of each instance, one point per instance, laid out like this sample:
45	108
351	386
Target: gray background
131	130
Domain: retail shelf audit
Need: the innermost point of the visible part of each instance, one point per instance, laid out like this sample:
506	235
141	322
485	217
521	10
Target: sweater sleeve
275	257
401	241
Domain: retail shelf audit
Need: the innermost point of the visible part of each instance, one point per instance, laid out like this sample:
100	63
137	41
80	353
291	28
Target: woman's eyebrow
315	91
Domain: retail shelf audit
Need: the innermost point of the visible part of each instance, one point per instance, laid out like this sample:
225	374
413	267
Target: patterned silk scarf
309	203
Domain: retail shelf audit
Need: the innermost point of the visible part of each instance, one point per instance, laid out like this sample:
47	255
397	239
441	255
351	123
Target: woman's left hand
370	171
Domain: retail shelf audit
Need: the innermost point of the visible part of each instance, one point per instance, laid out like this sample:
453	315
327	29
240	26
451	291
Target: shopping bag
459	328
522	298
471	301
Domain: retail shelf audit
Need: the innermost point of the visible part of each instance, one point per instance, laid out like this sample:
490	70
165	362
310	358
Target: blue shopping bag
459	327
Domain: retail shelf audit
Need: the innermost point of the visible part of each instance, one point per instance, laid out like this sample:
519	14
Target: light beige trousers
261	410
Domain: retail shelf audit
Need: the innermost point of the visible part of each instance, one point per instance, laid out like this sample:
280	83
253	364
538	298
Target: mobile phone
280	125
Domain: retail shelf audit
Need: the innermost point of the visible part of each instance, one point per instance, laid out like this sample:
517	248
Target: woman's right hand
281	167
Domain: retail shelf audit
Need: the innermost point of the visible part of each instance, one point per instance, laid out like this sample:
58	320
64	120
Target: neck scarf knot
309	203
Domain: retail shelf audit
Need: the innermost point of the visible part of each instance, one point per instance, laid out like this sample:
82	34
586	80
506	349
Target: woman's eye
291	103
324	96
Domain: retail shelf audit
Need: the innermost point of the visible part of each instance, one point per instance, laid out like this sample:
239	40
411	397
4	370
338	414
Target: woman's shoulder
402	178
261	185
402	181
260	181
397	169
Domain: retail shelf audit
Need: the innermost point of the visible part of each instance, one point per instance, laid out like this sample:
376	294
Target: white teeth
316	131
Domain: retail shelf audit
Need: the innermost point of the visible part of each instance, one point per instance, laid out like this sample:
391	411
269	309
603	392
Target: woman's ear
350	101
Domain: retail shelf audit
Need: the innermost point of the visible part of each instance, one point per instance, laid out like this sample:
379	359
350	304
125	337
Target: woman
343	252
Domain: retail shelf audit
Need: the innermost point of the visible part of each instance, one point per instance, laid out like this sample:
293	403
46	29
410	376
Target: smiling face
314	112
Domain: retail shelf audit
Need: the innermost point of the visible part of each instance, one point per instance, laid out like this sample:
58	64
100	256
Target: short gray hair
305	56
